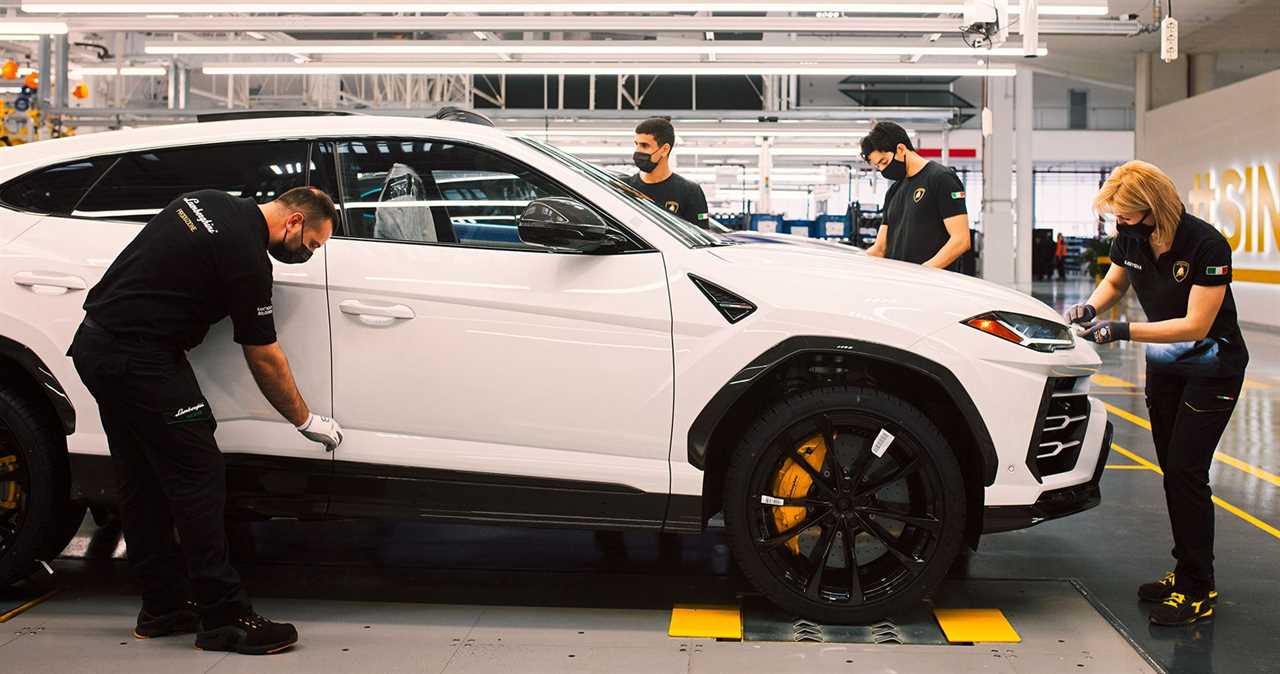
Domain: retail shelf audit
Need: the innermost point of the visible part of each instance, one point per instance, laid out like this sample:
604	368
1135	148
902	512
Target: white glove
323	430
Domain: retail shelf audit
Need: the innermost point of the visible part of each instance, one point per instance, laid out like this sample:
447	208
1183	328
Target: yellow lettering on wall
1266	201
1231	183
1200	198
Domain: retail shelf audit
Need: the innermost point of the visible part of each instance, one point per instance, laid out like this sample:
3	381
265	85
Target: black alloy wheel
36	516
15	485
847	505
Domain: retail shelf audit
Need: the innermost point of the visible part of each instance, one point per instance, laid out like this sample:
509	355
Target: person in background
925	219
655	140
1060	257
1179	266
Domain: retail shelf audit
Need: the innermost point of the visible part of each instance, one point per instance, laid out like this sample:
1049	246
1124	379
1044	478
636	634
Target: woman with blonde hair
1180	269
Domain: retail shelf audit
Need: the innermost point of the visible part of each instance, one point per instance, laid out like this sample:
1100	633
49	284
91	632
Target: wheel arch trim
27	360
708	420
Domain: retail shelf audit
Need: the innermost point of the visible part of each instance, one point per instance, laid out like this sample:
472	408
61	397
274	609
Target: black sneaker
1161	589
250	634
1179	609
182	620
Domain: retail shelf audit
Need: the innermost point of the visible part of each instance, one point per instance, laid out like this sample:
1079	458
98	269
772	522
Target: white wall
1223	151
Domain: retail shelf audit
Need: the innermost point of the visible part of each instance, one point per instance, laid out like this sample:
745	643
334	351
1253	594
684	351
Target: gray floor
1061	632
375	597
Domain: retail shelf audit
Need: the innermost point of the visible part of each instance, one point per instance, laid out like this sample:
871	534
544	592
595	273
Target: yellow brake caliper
792	481
9	493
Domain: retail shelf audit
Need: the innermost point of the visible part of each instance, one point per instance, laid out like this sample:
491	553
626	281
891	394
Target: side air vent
1060	428
731	306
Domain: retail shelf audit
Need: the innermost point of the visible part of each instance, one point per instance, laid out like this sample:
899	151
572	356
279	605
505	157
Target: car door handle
49	284
376	314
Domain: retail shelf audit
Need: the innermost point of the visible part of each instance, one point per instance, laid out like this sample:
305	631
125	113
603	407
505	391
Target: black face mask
1139	230
895	171
644	161
282	252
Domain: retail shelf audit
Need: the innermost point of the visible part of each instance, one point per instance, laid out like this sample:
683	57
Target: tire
34	496
898	516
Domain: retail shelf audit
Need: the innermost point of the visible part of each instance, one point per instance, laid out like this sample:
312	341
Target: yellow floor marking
1131	418
26	606
708	622
1234	510
976	625
1218	456
1127	394
1128	467
1111	382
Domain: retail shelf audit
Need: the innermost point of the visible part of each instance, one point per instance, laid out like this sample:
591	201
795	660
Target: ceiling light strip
532	7
33	27
604	69
611	48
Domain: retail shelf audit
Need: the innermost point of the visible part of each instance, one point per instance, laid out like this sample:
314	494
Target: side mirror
560	222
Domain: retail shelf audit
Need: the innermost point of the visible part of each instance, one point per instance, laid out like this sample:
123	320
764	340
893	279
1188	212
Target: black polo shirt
201	259
676	194
914	210
1199	256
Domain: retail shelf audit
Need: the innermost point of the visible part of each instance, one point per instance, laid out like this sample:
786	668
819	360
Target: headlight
1029	331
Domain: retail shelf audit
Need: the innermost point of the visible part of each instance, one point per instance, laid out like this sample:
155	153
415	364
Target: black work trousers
169	471
1188	416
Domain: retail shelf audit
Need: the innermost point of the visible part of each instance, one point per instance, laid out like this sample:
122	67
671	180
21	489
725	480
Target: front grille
1060	428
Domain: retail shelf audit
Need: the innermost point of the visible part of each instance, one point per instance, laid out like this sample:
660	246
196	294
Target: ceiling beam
613	24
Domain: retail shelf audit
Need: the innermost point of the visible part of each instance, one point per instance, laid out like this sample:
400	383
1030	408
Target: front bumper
1051	504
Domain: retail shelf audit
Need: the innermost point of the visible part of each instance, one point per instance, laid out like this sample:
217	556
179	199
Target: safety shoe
182	620
250	634
1179	609
1161	589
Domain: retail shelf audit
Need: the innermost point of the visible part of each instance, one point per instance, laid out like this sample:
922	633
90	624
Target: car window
686	232
54	190
432	191
141	184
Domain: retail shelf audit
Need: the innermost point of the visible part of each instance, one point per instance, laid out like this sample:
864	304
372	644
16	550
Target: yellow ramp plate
708	622
976	625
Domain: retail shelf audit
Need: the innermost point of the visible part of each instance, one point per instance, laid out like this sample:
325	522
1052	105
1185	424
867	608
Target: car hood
746	236
818	279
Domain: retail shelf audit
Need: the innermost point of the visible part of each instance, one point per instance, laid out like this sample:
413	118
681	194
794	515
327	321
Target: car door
479	377
268	461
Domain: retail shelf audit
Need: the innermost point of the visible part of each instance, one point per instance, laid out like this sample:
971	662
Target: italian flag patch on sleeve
1216	271
957	195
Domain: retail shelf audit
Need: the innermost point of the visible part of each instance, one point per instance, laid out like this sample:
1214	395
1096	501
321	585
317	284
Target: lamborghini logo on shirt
673	206
1180	271
917	195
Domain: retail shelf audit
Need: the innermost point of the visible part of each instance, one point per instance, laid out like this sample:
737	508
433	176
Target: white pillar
1203	72
764	201
1141	99
997	176
1023	126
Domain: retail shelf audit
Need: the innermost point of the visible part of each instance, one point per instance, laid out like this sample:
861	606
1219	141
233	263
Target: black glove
1105	332
1081	313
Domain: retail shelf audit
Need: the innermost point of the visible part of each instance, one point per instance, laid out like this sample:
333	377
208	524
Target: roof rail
451	113
231	115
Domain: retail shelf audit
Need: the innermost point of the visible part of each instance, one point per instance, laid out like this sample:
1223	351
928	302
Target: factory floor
419	597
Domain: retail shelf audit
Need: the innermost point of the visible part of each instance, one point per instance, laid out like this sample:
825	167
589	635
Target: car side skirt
265	486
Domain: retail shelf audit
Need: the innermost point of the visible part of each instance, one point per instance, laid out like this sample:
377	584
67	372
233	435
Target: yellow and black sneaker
1161	589
1179	609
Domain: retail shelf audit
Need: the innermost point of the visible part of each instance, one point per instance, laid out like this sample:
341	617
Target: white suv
510	335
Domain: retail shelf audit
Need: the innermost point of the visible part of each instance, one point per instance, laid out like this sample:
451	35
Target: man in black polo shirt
925	220
655	138
1180	268
201	259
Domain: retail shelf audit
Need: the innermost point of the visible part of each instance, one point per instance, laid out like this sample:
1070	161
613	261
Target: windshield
687	232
